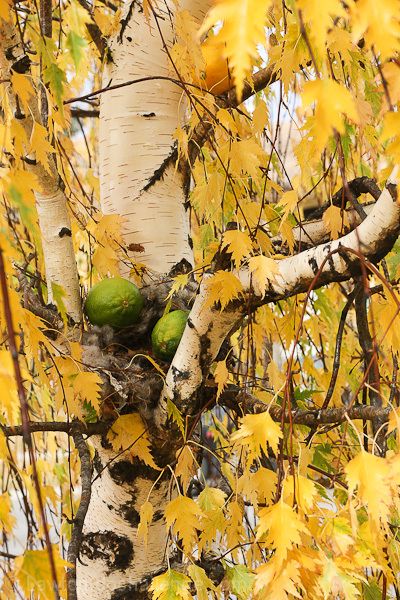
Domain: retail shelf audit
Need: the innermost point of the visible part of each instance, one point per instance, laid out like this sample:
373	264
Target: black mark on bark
313	264
159	173
64	231
392	189
115	550
149	115
130	513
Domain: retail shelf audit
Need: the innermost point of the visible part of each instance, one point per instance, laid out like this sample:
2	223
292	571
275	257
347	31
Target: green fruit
114	301
167	334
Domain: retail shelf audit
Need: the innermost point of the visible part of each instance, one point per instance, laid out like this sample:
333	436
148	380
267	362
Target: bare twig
76	536
55	426
25	418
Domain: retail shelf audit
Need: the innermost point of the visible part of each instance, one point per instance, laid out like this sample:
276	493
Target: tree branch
208	326
76	536
54	426
243	403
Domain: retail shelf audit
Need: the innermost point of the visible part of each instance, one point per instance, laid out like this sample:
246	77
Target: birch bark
51	202
138	178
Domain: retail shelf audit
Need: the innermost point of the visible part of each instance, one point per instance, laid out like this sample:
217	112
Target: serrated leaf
171	586
256	432
146	516
58	293
34	573
75	45
201	581
224	286
56	78
238	244
263	271
241	580
175	413
129	433
333	101
184	514
243	28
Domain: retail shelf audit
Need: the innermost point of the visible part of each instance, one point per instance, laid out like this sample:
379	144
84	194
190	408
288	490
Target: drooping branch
76	536
51	201
338	260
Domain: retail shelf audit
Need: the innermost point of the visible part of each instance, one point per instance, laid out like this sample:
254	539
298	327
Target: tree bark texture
51	202
138	175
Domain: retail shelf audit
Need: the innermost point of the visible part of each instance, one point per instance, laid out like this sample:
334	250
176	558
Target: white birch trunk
51	201
138	179
115	564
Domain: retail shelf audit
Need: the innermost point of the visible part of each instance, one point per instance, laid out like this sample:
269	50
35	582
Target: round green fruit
167	334
114	301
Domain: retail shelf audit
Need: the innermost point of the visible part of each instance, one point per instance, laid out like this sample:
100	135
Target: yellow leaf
238	244
34	574
129	433
321	18
224	286
171	586
186	465
256	432
146	516
333	101
7	520
263	270
378	22
335	220
184	513
201	581
289	202
243	29
284	528
221	375
211	498
22	86
88	386
371	475
40	145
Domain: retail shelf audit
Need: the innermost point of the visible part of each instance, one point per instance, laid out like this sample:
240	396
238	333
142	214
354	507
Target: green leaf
171	586
241	580
55	77
58	295
75	44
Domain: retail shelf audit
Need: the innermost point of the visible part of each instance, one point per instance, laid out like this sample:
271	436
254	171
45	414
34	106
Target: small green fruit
114	301
167	334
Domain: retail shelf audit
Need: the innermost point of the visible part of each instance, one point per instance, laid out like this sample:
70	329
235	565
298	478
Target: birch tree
142	140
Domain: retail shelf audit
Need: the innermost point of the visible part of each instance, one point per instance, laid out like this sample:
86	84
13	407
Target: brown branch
54	426
76	536
93	29
336	360
244	402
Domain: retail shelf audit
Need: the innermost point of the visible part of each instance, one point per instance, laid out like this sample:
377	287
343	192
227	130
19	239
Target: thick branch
243	403
338	260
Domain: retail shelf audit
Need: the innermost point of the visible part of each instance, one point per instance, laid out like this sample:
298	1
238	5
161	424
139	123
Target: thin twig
76	536
25	419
